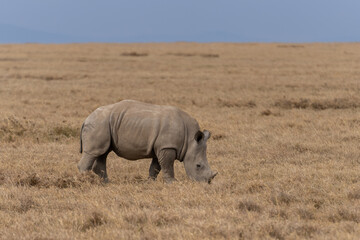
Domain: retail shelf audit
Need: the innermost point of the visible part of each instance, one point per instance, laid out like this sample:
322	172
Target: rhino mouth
212	177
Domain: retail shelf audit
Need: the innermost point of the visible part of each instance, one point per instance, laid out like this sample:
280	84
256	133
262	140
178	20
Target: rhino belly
132	152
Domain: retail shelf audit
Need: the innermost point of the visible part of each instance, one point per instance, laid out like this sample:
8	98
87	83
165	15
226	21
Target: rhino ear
199	136
207	134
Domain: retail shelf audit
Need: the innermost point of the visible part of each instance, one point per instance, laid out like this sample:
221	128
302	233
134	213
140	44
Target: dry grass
285	139
342	103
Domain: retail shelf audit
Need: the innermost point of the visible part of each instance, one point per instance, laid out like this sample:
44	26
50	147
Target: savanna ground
285	123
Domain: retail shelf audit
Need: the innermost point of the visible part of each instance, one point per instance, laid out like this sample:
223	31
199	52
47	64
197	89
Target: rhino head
195	161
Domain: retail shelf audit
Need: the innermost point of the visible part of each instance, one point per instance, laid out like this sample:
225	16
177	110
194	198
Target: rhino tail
81	148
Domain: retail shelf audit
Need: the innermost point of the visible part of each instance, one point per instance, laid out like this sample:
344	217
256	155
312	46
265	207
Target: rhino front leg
154	168
99	167
166	158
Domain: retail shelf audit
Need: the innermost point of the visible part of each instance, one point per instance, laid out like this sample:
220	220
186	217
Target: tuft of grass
282	198
52	78
275	232
317	202
165	220
354	195
239	104
204	55
182	54
266	112
210	55
135	179
30	180
66	131
134	54
136	218
217	137
290	46
290	104
66	180
249	205
306	231
26	203
337	103
305	214
10	59
343	214
11	128
94	220
278	213
2	178
255	187
301	148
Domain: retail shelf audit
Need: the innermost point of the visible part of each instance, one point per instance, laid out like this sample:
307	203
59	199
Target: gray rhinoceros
136	130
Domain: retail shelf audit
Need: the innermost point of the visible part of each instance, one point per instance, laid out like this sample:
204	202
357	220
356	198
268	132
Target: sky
65	21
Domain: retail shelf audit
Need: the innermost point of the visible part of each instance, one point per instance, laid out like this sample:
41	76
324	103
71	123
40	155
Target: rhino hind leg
97	164
154	169
99	167
86	162
166	158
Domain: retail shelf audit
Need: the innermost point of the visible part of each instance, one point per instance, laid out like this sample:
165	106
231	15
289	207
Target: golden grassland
285	123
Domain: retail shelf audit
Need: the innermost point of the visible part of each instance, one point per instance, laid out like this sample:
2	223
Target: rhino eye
198	166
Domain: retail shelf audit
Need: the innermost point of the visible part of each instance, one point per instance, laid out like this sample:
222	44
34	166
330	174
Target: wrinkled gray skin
136	130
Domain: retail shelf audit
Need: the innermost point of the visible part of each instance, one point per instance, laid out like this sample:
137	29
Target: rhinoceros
136	130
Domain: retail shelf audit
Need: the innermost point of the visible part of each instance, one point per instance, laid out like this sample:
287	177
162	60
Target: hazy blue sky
163	21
